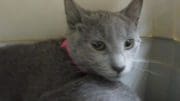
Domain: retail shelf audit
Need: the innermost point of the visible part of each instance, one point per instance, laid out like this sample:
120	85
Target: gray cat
102	45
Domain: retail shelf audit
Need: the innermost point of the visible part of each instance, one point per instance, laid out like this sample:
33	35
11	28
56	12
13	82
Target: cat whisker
148	71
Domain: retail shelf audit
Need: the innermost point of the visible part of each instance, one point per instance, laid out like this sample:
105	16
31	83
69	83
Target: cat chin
118	77
113	79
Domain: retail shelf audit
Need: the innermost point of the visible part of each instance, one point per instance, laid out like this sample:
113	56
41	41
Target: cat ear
74	13
133	10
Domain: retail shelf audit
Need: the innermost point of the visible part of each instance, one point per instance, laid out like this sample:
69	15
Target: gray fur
43	71
113	28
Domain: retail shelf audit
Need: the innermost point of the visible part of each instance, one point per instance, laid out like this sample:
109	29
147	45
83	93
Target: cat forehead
107	18
107	24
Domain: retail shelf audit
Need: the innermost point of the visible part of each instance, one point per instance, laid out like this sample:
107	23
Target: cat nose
118	69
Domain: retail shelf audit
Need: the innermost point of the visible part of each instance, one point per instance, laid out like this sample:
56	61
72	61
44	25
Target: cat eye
98	45
129	44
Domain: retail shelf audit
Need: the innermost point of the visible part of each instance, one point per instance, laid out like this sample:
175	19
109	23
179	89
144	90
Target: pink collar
65	45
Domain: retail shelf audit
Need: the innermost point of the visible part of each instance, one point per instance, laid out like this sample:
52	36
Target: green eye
98	45
129	44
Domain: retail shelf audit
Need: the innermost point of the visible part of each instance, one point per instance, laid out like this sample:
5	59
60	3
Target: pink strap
65	45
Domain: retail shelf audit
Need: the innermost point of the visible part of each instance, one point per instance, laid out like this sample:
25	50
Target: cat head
103	42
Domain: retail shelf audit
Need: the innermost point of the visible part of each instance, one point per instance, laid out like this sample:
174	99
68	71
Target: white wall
176	19
161	18
42	19
31	19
